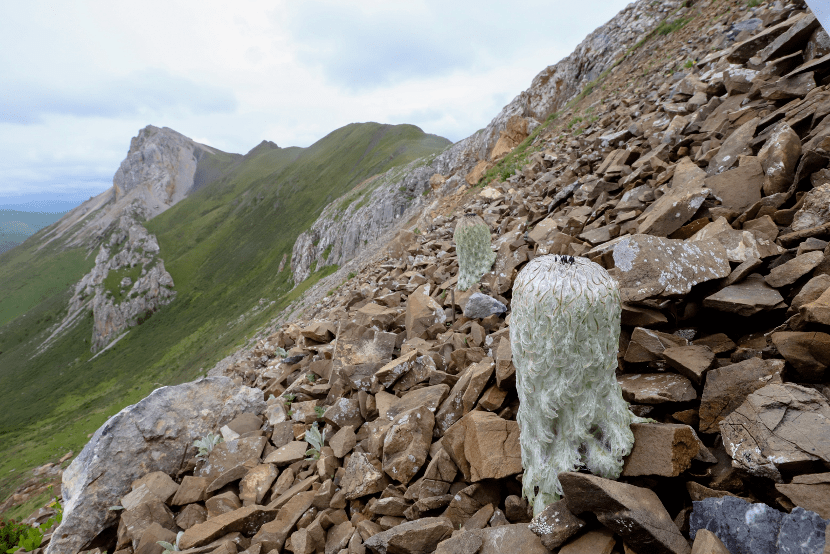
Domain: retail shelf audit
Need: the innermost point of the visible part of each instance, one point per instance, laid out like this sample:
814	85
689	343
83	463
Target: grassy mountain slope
222	245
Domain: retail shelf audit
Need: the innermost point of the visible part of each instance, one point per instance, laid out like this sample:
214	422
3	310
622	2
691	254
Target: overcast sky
79	79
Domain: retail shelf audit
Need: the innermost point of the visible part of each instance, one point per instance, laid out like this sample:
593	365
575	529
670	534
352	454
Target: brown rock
362	477
359	352
152	535
222	504
191	515
778	158
159	484
635	514
745	299
727	387
137	520
407	443
732	147
599	541
789	272
780	426
422	312
466	542
244	520
706	542
810	292
491	446
656	388
690	361
292	452
811	492
717	343
428	397
343	441
191	490
656	267
392	371
338	537
647	345
228	455
556	524
738	188
320	331
815	311
815	210
510	538
505	370
272	535
413	537
256	483
343	412
741	246
660	449
672	210
640	316
762	227
466	502
807	352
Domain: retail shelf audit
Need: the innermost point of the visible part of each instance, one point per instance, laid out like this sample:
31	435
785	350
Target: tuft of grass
327	251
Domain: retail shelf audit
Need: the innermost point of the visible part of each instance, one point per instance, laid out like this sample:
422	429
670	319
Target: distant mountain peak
264	145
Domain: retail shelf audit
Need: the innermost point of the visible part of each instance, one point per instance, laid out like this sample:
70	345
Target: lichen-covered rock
564	334
472	245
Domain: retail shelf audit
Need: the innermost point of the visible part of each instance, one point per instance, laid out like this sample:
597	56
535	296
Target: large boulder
155	434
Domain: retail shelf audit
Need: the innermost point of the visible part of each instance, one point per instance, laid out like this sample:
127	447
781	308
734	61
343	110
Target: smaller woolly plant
206	444
316	440
472	244
564	333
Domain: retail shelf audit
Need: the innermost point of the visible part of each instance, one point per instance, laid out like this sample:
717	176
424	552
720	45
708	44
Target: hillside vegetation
222	245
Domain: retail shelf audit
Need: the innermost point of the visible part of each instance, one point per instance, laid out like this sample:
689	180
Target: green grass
222	246
112	282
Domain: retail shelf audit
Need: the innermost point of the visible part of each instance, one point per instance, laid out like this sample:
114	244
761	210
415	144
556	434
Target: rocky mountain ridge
700	185
346	227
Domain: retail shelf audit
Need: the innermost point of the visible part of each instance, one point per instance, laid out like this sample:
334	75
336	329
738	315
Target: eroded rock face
156	434
127	285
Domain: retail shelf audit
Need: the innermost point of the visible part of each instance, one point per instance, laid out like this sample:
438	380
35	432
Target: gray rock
815	211
650	266
155	434
479	306
746	528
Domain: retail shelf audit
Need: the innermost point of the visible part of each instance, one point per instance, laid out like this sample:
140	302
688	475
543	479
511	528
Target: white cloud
78	80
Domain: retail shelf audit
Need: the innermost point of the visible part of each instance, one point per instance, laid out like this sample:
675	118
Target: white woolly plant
472	245
564	332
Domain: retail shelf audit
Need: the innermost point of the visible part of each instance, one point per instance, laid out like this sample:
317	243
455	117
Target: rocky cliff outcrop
161	168
126	286
342	232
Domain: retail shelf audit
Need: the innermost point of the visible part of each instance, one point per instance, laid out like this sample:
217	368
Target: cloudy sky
79	79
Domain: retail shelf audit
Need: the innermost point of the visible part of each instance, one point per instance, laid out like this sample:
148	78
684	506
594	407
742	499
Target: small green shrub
10	534
30	538
327	251
352	275
753	3
319	410
689	64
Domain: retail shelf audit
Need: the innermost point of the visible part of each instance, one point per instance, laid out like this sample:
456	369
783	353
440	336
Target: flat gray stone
479	306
